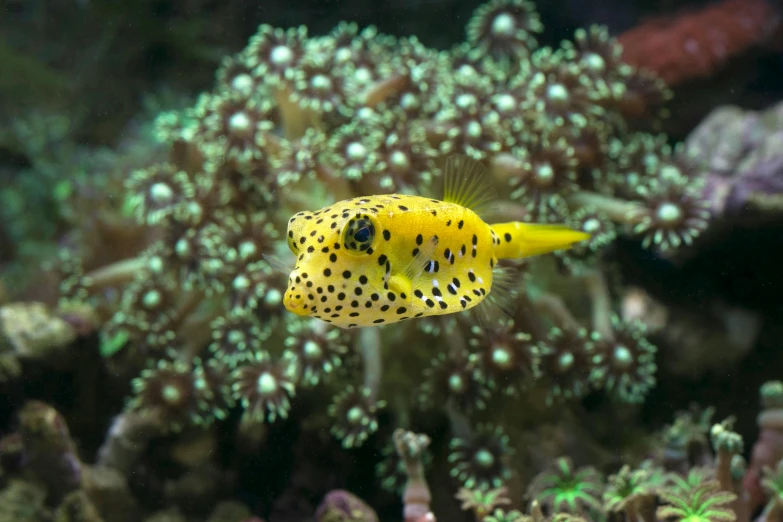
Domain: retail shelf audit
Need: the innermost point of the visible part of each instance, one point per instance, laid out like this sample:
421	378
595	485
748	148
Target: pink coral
695	44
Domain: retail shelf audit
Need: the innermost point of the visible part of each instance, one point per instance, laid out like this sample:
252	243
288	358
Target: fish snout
294	300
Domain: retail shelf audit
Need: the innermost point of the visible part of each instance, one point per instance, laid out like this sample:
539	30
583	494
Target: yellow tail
531	239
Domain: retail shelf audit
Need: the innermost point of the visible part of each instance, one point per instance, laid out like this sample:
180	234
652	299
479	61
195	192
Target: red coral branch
695	44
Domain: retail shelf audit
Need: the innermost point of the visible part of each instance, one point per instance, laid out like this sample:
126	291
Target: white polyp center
466	70
456	383
668	213
267	384
355	415
239	123
595	62
566	361
473	129
409	102
155	264
273	297
503	24
281	55
343	54
182	248
362	75
152	299
195	211
247	249
356	151
505	102
501	357
312	350
235	337
241	283
622	356
399	159
484	458
161	193
466	101
321	82
545	174
592	225
557	92
171	393
242	83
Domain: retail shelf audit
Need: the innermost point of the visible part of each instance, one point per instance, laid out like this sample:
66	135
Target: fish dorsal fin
404	280
466	182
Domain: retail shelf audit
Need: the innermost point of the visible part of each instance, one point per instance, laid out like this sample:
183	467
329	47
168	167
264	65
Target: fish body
377	260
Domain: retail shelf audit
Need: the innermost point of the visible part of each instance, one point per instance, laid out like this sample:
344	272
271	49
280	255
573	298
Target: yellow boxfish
377	260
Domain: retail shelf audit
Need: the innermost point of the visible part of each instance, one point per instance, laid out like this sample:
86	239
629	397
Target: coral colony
189	311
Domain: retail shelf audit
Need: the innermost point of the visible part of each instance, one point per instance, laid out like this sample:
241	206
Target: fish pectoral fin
277	264
399	284
466	182
419	263
503	300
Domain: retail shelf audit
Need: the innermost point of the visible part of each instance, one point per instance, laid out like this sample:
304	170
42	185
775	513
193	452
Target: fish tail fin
519	240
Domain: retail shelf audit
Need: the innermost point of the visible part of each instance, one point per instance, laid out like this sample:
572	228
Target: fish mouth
294	301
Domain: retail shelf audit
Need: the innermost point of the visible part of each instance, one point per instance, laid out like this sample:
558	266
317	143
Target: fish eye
363	234
359	234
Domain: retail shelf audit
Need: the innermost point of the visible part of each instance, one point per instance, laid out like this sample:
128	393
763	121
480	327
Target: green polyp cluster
772	482
236	337
504	357
155	193
675	214
567	360
264	387
314	350
172	392
696	498
724	440
482	502
629	488
355	416
452	379
354	148
500	515
504	29
565	489
625	364
274	52
481	462
391	471
771	393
